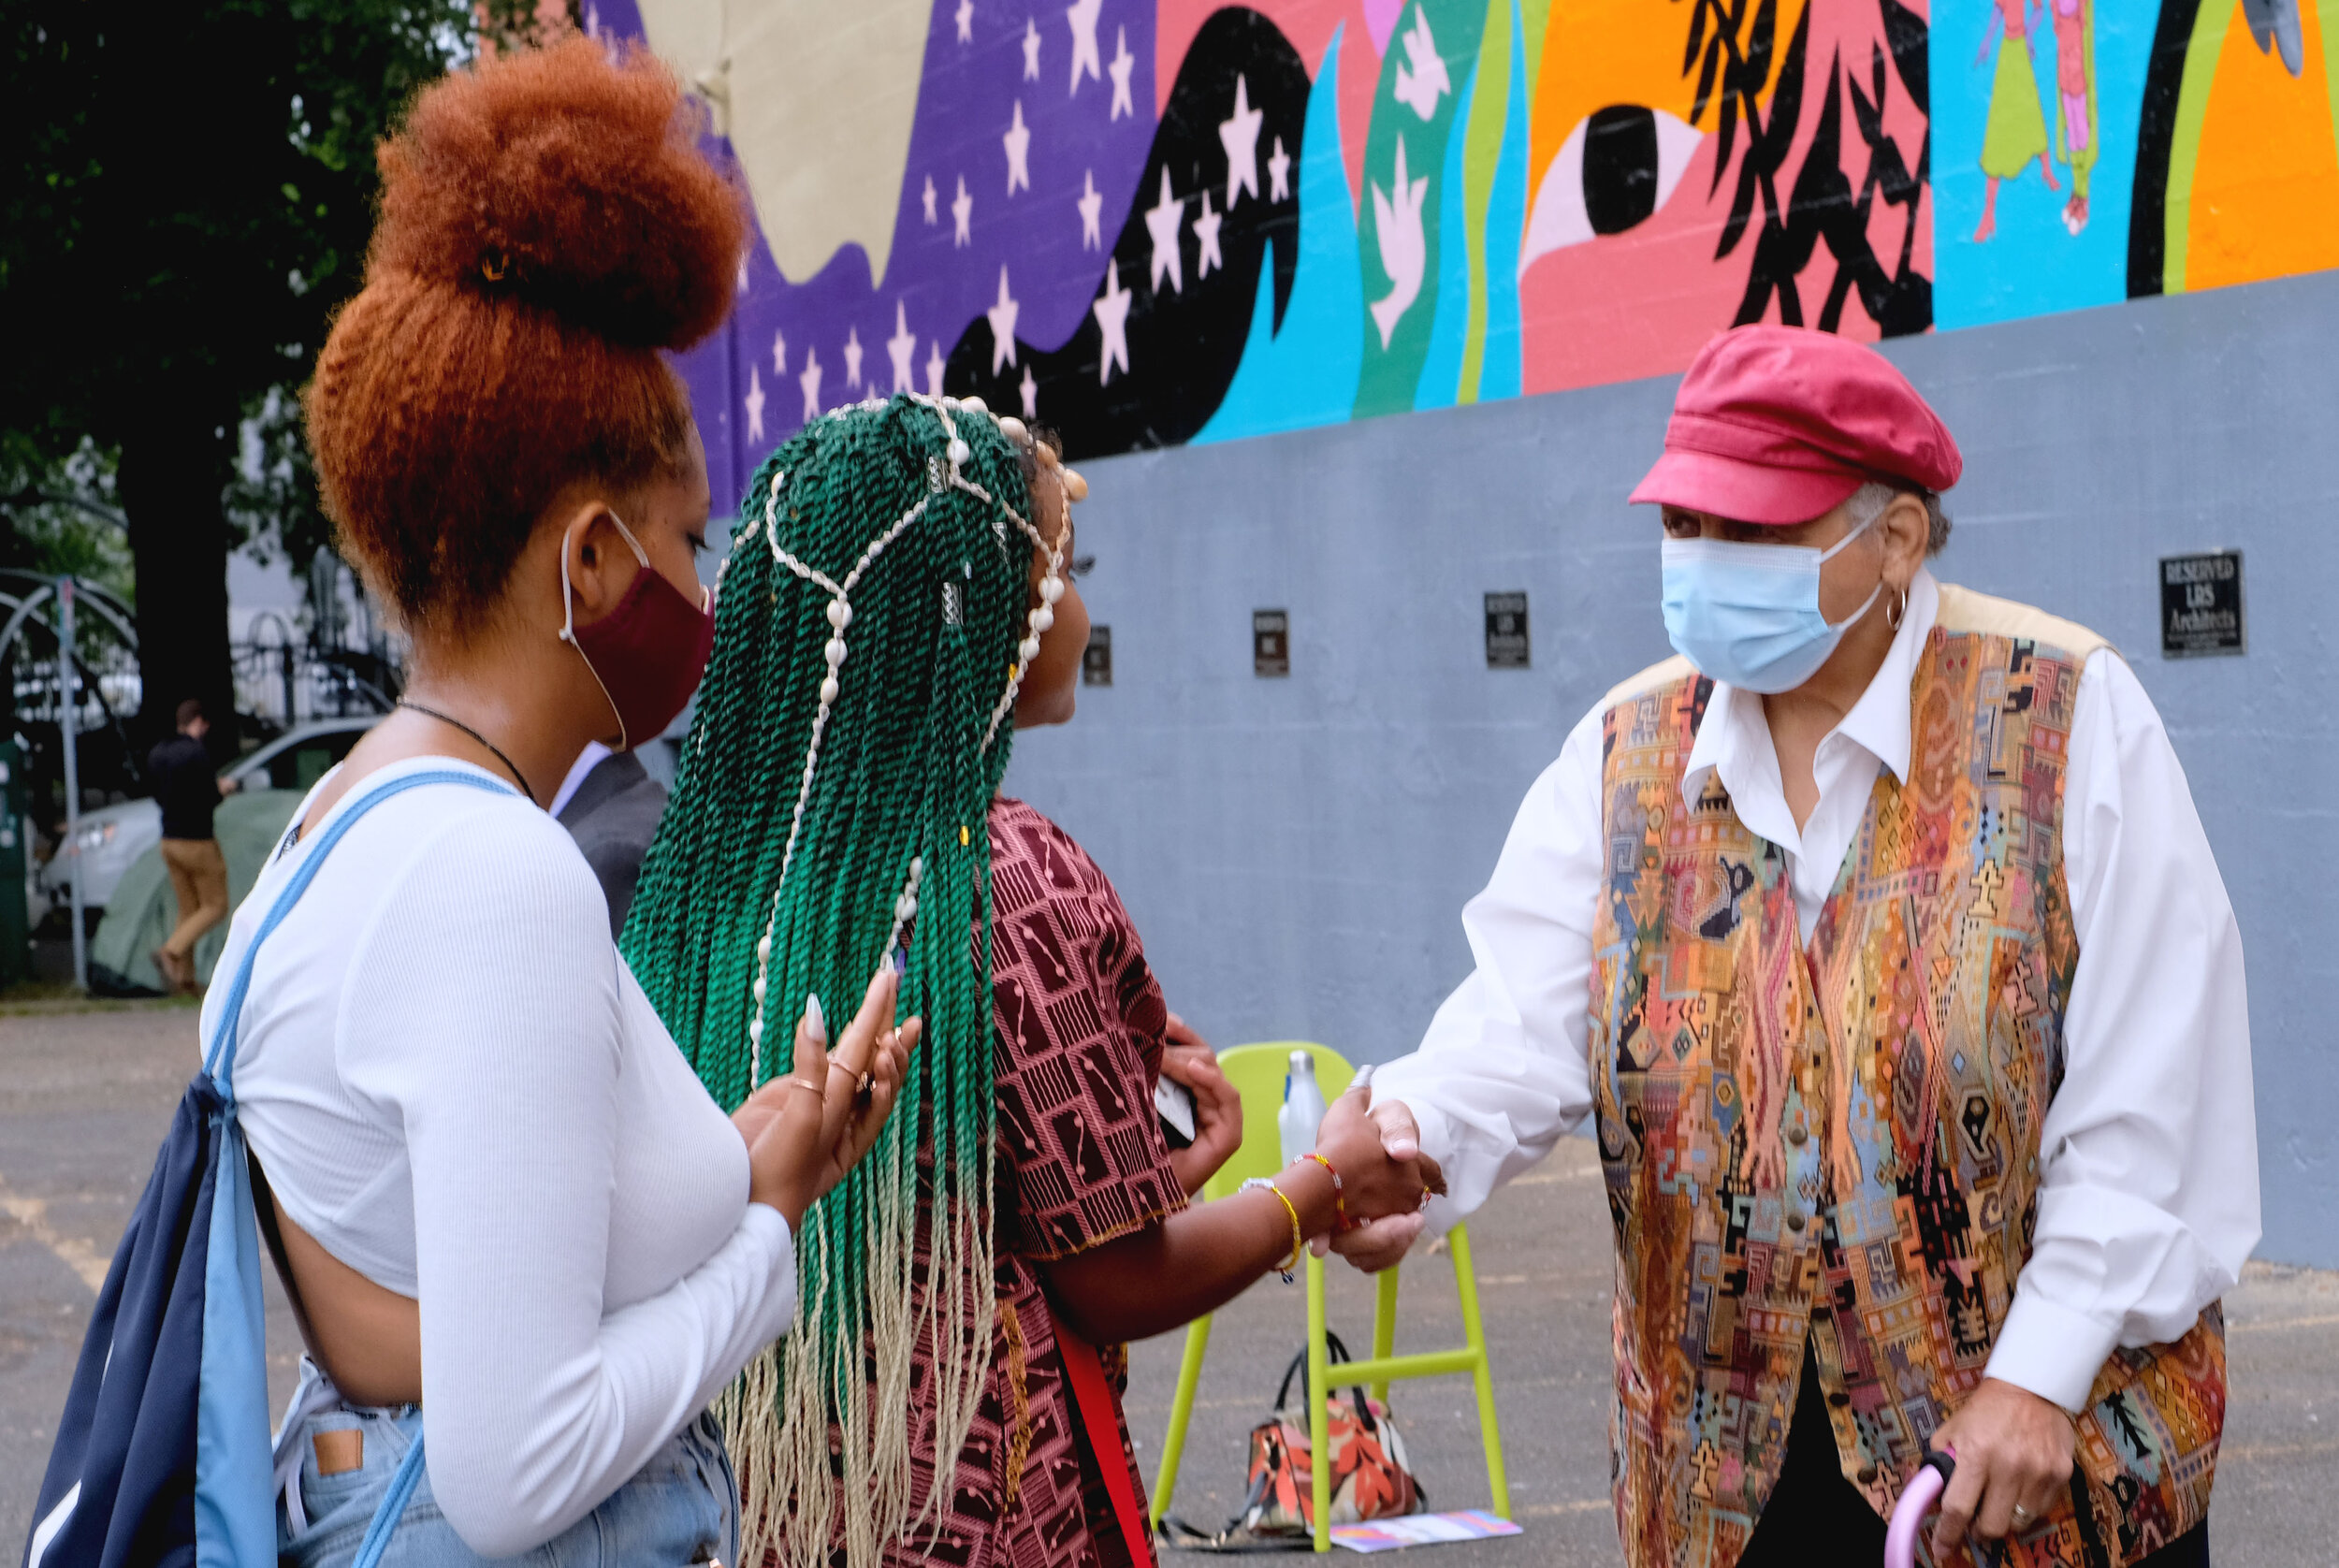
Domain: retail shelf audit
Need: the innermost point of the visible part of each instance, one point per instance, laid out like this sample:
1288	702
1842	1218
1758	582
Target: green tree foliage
62	515
188	198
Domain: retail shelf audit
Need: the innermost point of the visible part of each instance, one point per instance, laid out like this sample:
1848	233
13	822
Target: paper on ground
1420	1530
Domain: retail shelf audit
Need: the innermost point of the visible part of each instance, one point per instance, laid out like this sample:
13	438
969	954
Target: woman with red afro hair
497	1192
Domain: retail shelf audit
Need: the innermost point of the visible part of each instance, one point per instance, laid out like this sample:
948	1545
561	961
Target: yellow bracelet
1299	1238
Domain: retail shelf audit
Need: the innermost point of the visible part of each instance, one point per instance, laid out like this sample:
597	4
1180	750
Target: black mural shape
1619	168
1185	343
2156	141
1823	204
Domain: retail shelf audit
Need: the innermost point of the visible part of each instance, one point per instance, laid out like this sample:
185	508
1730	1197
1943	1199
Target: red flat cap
1782	424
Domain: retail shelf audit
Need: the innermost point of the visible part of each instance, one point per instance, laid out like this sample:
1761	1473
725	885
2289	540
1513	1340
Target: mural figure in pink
2017	131
2075	123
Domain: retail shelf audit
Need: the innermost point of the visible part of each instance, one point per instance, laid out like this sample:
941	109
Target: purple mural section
1032	131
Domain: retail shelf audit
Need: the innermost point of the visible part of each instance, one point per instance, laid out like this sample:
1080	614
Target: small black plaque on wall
1096	659
1271	643
1506	632
2201	605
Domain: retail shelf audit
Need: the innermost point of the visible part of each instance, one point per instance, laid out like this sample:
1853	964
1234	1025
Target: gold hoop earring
1896	614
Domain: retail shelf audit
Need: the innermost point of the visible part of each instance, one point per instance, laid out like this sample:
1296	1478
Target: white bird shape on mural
1404	249
1421	77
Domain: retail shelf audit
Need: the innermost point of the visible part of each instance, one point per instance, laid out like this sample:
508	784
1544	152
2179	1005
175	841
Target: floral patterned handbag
1370	1478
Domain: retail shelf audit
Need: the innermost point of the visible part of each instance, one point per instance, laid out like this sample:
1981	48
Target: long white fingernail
814	1021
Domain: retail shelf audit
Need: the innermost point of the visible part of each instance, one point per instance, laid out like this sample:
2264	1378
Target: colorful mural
1155	221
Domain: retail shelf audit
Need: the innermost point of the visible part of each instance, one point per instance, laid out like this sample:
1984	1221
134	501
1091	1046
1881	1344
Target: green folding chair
1256	1072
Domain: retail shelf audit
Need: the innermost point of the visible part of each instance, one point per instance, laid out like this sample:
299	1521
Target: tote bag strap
1093	1399
402	1484
219	1059
219	1062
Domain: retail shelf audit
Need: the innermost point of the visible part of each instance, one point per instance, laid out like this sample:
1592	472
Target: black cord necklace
450	719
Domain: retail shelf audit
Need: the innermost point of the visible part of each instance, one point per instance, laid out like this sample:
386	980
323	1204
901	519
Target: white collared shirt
2148	1185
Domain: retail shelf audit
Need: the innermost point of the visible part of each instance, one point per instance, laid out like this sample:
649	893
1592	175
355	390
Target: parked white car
112	837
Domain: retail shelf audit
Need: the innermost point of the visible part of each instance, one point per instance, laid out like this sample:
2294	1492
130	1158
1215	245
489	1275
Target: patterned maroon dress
1082	1162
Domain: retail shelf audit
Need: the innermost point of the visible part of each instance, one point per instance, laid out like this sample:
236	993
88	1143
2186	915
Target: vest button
1794	1219
1867	1473
1797	1136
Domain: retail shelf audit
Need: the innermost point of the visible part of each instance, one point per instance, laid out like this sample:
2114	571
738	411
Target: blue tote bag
161	1457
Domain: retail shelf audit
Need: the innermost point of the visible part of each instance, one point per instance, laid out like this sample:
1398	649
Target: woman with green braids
893	607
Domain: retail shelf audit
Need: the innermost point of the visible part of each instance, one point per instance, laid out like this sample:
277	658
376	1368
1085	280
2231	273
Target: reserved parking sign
2201	605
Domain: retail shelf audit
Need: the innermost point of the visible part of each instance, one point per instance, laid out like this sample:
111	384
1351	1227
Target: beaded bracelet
1299	1239
1340	1204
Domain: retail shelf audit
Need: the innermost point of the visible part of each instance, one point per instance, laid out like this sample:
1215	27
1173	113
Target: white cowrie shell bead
975	403
829	690
907	908
960	453
755	1029
1014	429
916	866
1042	619
839	614
758	988
763	949
834	652
1030	650
1075	488
1051	589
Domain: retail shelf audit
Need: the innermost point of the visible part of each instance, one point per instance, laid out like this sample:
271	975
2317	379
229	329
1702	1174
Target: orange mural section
2265	197
1599	53
1809	216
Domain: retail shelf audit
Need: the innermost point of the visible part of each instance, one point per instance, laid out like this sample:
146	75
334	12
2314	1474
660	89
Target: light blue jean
682	1508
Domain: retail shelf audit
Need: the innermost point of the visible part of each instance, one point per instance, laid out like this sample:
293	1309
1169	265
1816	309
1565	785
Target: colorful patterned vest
1837	1143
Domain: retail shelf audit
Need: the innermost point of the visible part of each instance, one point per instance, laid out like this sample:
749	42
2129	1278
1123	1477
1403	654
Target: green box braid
832	806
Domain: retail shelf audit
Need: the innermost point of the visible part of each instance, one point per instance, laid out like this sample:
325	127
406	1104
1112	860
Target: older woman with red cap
1877	938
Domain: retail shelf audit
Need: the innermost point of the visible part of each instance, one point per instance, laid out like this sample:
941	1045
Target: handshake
1386	1180
1383	1141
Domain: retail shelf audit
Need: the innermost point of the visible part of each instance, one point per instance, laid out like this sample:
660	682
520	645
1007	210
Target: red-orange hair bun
548	227
564	179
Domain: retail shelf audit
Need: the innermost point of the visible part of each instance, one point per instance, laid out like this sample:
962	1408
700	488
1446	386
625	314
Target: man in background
611	805
188	790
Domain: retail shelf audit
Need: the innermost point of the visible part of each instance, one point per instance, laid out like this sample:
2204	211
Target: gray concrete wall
1296	852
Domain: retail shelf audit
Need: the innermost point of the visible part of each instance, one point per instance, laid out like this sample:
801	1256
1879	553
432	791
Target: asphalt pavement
85	1093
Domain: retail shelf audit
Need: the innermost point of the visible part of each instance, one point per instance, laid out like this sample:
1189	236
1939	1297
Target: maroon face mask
649	652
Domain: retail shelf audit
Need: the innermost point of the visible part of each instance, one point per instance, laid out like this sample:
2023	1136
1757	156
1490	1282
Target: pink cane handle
1917	1499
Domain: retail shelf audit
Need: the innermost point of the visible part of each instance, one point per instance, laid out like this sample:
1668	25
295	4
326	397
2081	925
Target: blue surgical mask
1749	613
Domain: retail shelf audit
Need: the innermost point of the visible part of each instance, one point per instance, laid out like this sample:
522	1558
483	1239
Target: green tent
143	908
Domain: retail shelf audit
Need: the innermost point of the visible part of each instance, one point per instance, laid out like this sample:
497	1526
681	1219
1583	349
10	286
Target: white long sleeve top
456	1087
2148	1186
